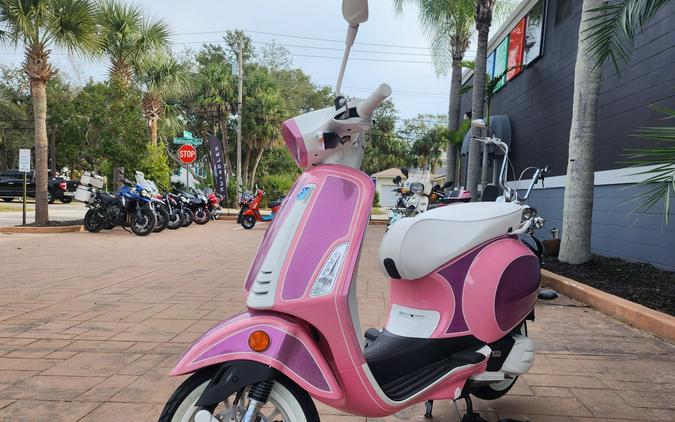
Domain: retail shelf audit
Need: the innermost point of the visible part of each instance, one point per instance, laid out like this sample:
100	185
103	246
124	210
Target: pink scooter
458	303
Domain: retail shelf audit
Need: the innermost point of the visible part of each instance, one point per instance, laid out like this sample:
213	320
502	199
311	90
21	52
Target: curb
660	324
42	230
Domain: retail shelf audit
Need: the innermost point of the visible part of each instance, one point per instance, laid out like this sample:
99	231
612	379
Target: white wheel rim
282	401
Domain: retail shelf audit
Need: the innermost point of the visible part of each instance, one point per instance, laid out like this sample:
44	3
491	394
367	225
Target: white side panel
521	357
263	291
410	322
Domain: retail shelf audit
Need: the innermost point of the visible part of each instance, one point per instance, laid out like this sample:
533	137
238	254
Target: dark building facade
538	101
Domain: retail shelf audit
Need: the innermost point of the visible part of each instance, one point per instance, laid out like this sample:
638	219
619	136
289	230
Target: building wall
539	103
539	100
617	230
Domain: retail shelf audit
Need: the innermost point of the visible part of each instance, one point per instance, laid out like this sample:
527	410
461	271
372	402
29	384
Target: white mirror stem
349	42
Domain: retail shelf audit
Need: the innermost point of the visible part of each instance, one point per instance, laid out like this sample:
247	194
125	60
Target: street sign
24	160
187	139
187	154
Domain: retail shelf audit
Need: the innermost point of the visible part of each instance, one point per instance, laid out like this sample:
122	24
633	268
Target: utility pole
240	74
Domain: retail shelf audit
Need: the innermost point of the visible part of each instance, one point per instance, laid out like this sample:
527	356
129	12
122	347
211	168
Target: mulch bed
56	223
638	282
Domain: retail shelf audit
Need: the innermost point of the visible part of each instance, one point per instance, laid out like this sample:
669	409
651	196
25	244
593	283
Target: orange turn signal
259	341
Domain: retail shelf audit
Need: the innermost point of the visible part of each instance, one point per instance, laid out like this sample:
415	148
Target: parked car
11	186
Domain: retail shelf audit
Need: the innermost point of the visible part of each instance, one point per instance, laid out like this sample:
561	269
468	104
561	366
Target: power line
305	37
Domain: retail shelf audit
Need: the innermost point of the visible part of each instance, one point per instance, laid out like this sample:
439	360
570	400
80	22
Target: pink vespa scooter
457	307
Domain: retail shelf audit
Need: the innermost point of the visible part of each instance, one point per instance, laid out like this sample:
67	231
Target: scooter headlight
329	272
145	193
417	188
529	213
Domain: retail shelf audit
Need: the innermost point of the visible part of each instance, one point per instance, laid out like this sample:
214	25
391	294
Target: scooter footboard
291	351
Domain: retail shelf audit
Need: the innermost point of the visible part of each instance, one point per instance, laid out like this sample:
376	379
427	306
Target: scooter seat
416	246
274	204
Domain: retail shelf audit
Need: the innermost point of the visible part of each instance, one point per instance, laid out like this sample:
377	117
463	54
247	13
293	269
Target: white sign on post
24	160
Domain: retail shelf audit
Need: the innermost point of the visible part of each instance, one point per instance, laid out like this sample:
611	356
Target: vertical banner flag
534	32
501	53
218	162
515	60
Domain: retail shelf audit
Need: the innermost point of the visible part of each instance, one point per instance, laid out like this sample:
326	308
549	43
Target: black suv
11	186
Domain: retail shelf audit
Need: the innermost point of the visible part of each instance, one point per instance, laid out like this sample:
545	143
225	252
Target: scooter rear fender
292	351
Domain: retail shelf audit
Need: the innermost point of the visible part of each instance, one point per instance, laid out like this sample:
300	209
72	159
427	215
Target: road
10	212
90	325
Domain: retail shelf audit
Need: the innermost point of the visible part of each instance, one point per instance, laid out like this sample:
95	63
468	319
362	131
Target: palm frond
71	24
614	26
660	176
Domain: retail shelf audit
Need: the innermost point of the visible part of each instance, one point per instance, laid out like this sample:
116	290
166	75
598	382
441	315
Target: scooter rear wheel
248	222
287	402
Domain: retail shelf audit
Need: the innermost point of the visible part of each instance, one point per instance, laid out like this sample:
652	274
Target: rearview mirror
404	171
397	180
447	185
355	12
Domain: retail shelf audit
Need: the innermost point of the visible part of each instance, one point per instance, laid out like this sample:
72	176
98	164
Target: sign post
24	166
187	154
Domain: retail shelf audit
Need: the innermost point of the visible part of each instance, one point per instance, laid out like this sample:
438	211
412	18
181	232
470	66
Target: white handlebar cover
366	108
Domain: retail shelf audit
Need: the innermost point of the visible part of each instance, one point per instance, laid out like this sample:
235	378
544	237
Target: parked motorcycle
413	197
249	213
132	207
464	282
197	206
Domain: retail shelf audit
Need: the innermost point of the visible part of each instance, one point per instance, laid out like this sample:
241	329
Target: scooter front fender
292	351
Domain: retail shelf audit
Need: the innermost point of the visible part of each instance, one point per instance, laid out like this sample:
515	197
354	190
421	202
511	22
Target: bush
376	199
276	186
155	166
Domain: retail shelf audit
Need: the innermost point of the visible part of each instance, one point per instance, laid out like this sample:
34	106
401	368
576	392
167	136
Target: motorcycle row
141	207
416	195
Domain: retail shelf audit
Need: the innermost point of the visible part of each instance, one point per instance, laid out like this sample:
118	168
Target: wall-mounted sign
534	32
501	57
515	60
490	69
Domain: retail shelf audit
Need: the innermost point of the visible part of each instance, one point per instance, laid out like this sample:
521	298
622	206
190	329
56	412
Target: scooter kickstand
428	408
470	415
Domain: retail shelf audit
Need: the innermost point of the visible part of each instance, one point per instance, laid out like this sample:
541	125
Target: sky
394	45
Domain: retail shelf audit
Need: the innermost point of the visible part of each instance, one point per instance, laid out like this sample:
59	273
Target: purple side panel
330	220
517	291
455	275
294	142
283	347
271	232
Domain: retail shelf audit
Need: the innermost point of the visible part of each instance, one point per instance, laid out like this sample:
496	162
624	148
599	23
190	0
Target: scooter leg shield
291	351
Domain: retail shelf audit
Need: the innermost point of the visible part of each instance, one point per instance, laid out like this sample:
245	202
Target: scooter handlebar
366	107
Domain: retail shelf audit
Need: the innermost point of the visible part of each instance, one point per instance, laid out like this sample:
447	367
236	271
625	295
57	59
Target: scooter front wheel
287	402
248	222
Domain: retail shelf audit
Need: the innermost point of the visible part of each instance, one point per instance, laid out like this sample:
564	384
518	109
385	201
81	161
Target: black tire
248	222
175	219
162	215
188	217
93	221
202	216
50	198
8	199
143	221
241	213
66	199
495	391
199	378
108	226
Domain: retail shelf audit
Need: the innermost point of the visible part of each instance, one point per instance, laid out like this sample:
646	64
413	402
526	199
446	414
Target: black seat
490	193
106	197
275	203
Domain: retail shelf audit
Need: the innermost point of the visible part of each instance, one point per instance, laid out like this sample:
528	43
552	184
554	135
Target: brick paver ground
90	324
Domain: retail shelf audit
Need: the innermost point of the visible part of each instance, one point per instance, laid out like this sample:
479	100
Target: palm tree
40	25
448	26
607	32
127	37
161	77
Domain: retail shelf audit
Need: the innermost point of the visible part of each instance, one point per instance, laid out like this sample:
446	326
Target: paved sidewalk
11	215
90	324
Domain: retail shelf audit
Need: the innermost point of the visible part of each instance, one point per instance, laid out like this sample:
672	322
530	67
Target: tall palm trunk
483	22
453	117
152	107
575	247
255	166
153	131
245	166
39	94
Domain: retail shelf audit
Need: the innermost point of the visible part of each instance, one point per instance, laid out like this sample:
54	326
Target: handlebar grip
366	107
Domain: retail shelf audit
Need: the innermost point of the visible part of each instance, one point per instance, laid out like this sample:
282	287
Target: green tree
162	77
448	25
40	25
384	147
127	37
429	148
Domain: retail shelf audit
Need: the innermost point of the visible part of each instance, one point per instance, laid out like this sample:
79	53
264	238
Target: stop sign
187	154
